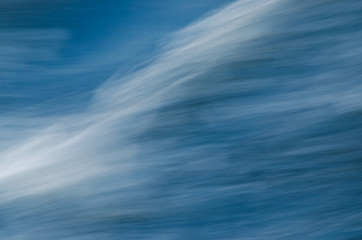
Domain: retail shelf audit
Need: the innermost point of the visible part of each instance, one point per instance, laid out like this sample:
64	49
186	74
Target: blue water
244	124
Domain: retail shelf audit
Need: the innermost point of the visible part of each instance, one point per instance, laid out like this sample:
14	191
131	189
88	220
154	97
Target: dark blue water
246	124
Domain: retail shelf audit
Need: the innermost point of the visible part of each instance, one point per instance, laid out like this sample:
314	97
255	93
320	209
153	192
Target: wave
245	126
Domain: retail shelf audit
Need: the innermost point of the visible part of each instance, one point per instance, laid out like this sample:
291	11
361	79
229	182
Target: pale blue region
261	139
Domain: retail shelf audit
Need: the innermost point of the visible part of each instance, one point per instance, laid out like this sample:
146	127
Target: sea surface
245	123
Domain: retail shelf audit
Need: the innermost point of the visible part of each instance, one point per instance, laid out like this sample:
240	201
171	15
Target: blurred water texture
246	124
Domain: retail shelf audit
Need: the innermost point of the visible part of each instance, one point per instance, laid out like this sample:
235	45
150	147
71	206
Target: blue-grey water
231	120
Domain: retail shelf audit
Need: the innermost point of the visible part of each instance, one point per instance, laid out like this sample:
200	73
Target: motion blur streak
246	125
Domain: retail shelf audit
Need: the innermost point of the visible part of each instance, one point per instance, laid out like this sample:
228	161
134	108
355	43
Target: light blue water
247	124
